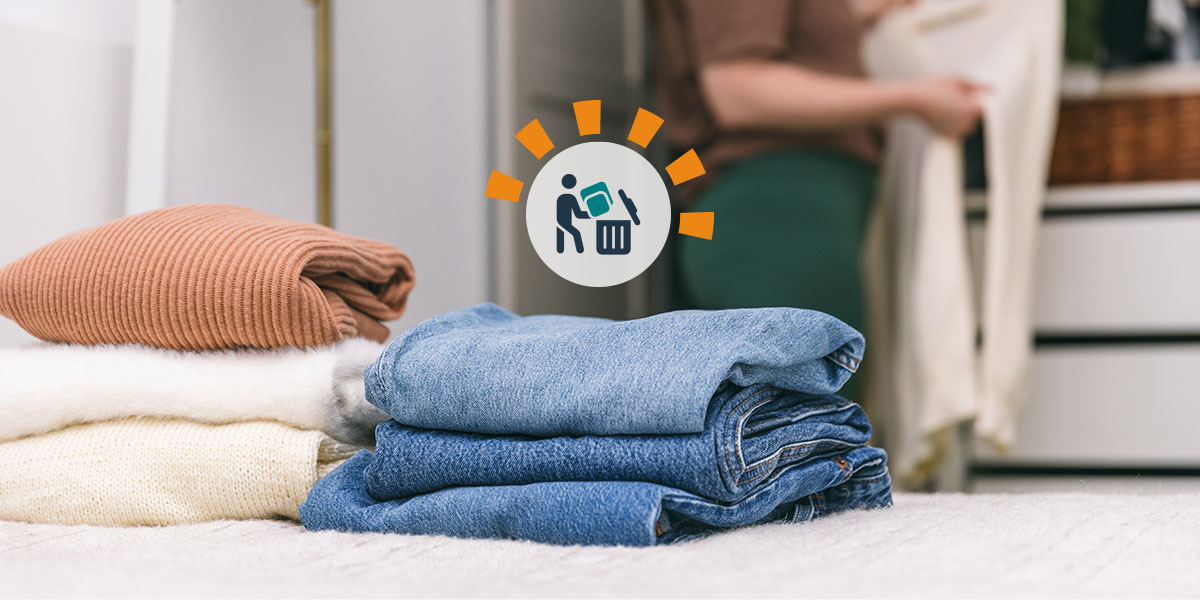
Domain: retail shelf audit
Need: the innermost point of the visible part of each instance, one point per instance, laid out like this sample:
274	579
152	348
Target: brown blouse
821	35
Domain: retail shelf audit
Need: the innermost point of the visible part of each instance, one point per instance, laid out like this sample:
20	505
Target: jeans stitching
738	481
725	430
874	479
745	468
840	355
795	448
787	467
822	410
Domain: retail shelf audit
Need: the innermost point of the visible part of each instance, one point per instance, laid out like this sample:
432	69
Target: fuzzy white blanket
945	545
49	386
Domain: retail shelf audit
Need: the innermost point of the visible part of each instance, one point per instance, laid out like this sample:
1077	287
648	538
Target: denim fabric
595	512
575	430
751	437
486	370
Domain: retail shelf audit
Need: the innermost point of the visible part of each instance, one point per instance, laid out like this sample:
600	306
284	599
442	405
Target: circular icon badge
598	214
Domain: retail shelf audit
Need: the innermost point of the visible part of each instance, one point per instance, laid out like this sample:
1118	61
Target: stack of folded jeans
576	430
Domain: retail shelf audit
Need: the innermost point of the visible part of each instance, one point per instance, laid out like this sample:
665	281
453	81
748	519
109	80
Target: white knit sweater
49	386
146	471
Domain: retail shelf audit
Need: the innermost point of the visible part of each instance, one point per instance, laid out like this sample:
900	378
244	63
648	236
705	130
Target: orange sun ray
535	140
587	116
503	187
685	168
645	125
697	224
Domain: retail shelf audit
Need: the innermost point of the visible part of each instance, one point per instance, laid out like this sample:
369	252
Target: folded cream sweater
50	386
163	472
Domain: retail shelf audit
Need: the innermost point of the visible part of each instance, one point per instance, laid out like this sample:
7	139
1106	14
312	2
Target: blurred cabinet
1110	405
1126	273
1115	378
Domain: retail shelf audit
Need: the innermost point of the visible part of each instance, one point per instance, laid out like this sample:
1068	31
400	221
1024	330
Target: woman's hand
870	11
950	105
781	96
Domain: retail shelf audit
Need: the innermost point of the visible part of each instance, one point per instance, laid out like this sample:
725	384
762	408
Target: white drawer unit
1119	273
1109	405
1113	269
1115	377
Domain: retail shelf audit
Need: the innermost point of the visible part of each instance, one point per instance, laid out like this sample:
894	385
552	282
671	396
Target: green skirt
788	231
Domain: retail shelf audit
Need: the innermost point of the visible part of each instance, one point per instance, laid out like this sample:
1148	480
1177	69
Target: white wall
410	129
241	124
411	140
96	20
64	99
410	124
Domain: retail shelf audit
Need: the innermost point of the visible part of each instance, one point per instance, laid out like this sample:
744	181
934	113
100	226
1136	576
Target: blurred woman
771	94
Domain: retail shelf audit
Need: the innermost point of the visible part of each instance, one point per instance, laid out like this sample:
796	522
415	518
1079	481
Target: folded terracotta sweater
163	472
207	276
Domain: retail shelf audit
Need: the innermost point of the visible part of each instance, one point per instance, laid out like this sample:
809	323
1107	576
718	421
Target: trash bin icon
613	235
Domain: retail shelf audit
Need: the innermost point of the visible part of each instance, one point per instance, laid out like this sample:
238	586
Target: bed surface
926	545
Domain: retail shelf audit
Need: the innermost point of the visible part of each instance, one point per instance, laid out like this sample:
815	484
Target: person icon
567	210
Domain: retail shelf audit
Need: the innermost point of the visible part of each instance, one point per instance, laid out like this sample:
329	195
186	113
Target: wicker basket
1124	139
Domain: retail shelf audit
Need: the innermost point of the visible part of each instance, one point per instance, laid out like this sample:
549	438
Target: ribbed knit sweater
207	276
163	472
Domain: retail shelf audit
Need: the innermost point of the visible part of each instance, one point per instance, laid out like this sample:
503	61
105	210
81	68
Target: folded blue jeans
574	430
751	437
486	370
628	513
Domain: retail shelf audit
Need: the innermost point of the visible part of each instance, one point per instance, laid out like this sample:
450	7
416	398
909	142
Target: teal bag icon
597	199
